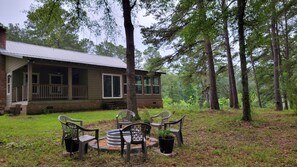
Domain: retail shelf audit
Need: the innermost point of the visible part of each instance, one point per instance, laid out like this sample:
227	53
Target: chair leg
144	150
63	137
81	150
181	137
128	152
122	148
98	149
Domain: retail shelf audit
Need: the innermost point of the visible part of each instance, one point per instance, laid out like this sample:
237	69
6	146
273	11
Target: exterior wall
14	63
2	83
11	65
36	107
94	83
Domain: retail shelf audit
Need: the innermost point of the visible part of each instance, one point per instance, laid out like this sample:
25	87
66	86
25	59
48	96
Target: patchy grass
212	138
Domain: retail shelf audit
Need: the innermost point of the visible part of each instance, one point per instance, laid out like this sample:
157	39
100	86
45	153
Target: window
56	81
147	85
8	84
112	87
35	82
156	85
138	84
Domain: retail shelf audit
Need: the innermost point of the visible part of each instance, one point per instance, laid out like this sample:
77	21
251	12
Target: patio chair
136	135
75	132
176	131
158	120
63	119
124	117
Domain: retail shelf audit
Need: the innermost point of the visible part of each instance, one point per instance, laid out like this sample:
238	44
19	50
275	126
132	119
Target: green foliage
146	116
165	133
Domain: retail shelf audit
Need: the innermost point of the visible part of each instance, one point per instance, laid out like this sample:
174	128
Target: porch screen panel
107	86
116	86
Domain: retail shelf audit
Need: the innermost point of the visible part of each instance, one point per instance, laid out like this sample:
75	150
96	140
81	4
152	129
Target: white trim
121	88
8	78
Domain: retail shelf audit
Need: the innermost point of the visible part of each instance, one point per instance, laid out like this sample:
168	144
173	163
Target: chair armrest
90	130
76	120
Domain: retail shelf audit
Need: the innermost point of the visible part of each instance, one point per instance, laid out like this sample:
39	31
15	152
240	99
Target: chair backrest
137	132
63	119
72	130
165	114
126	115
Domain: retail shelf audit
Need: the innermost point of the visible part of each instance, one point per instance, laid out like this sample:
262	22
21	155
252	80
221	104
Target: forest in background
206	60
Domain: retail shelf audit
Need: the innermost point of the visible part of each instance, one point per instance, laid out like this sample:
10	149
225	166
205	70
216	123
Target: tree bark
276	57
232	84
244	72
214	103
130	54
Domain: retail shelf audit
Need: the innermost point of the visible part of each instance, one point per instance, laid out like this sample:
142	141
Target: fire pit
112	142
114	137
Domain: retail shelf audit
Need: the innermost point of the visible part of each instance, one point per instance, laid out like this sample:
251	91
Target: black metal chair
136	135
158	120
76	133
124	117
176	131
63	120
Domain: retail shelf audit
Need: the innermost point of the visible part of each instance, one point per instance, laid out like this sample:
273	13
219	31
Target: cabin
43	79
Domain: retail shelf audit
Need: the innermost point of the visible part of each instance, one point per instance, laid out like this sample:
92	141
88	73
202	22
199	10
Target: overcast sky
14	11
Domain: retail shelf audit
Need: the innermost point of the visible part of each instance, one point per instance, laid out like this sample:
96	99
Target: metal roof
23	50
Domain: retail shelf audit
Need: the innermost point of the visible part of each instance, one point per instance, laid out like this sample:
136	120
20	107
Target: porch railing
49	92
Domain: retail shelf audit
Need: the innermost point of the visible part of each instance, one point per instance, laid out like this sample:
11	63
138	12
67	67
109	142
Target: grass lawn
211	139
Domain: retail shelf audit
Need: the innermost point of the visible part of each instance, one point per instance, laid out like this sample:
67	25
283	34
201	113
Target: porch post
29	84
69	83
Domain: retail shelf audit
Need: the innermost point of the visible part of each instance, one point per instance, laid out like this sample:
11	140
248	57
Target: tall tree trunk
232	84
130	53
287	63
214	103
257	83
244	72
276	57
213	95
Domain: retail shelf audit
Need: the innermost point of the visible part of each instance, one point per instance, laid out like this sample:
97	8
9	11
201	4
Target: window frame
159	85
141	84
147	85
121	87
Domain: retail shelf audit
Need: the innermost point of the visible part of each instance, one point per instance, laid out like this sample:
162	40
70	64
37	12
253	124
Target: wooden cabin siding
14	63
94	83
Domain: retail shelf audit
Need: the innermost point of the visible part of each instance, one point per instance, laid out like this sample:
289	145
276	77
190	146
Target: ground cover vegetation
211	139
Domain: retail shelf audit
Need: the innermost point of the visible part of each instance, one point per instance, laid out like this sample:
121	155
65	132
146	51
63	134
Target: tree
187	26
244	72
232	84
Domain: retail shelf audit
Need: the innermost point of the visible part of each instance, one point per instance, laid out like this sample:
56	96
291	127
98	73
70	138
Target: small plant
165	134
